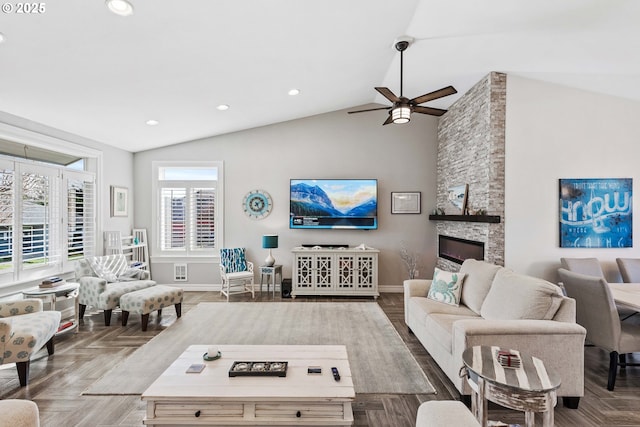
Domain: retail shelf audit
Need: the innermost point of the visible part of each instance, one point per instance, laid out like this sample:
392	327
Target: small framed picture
119	201
457	196
405	203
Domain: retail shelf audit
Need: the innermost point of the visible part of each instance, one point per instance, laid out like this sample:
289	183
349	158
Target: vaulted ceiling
82	69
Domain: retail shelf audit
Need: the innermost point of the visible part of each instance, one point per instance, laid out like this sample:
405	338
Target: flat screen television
334	203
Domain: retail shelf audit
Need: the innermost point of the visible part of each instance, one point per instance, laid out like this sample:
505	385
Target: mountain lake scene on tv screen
334	198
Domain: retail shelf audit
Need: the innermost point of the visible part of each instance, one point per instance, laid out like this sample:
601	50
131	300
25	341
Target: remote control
336	374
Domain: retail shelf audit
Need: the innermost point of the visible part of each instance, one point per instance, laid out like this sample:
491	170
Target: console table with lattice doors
348	272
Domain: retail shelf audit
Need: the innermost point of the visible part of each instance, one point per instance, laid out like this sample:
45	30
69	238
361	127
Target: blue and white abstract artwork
596	213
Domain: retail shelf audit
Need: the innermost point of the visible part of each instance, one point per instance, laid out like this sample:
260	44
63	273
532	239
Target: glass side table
270	272
529	388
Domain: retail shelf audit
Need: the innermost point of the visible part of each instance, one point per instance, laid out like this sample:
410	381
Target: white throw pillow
446	287
108	267
517	296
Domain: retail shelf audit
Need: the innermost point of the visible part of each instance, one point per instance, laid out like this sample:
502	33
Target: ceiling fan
403	107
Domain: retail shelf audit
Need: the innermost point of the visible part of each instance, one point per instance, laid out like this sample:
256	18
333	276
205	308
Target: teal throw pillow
446	287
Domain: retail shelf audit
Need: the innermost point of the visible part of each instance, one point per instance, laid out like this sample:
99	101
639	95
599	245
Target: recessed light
222	107
152	122
294	92
120	7
2	38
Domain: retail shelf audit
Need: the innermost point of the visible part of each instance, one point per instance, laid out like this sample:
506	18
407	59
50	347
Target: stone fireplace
471	147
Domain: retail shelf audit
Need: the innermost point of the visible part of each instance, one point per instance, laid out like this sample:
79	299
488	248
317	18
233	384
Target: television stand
340	271
324	246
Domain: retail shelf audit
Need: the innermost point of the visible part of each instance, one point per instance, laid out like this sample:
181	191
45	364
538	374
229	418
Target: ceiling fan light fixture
401	114
120	7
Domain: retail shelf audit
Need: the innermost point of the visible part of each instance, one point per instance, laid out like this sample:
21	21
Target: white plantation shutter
202	210
40	217
80	220
173	218
6	217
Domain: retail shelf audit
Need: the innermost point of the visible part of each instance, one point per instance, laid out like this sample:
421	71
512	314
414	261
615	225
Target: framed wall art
119	201
405	203
596	213
457	196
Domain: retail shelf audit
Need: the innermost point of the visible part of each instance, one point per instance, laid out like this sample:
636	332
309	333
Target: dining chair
592	267
235	272
629	269
588	266
597	312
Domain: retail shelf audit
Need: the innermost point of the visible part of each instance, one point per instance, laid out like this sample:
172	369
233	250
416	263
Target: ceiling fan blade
389	120
370	109
388	94
445	91
428	110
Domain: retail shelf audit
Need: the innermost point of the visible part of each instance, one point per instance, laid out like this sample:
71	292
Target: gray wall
555	132
332	145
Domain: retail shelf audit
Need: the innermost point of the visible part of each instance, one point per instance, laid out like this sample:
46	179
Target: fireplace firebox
457	250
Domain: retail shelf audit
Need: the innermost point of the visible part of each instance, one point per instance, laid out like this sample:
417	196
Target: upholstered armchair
24	329
104	279
236	272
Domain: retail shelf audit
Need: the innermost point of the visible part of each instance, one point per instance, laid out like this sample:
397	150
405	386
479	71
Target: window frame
158	185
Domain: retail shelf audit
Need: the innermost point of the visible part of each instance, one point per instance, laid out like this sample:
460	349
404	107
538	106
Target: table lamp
270	241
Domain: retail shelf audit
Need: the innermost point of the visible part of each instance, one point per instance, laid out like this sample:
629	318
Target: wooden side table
529	388
270	272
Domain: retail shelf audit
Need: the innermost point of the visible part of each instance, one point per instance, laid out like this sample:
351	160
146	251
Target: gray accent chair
597	312
629	269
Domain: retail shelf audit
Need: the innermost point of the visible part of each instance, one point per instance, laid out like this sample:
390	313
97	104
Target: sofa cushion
425	307
440	326
480	275
446	287
516	296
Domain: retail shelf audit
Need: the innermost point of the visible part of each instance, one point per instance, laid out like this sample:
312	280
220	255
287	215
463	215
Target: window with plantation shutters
187	208
47	218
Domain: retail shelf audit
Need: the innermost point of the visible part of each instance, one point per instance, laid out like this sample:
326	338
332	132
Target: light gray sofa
500	308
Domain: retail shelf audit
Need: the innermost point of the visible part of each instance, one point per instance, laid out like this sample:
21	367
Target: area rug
380	361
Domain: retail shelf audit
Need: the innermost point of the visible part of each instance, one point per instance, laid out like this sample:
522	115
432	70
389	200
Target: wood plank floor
81	358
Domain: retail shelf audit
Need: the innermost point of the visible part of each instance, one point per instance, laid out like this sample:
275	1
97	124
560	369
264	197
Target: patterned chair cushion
29	332
233	260
16	308
150	299
107	297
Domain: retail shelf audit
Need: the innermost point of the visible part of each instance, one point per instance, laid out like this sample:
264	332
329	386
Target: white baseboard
216	287
391	289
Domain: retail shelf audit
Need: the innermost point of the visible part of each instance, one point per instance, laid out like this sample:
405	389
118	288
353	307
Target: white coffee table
213	398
